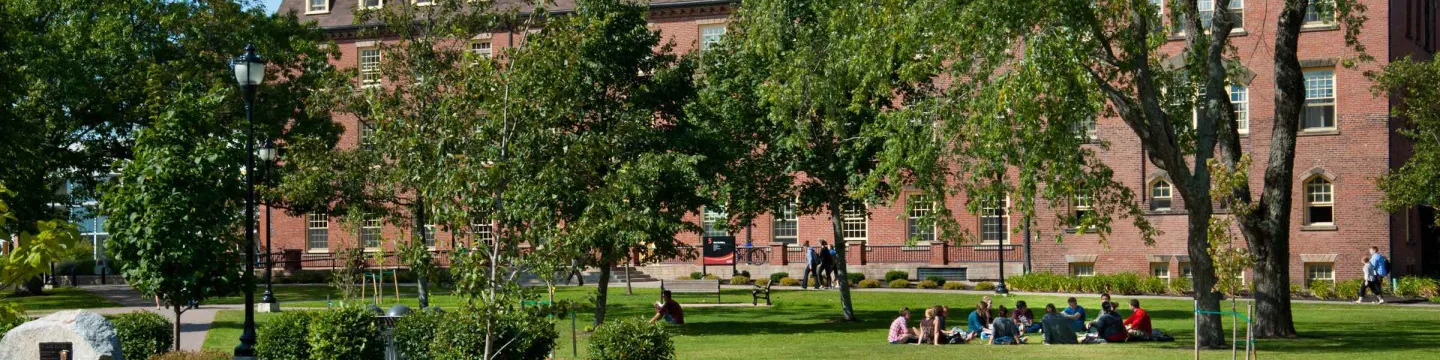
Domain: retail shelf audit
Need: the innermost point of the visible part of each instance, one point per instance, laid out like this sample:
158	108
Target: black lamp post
249	72
267	154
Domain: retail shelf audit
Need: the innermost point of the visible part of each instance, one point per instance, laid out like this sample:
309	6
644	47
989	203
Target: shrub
414	333
345	333
953	286
631	339
1322	289
685	277
711	277
460	335
745	273
984	285
1121	284
937	279
1181	286
285	337
1347	288
1152	286
697	275
893	275
1415	286
854	277
762	282
927	284
192	355
142	334
869	284
789	281
899	284
1297	290
740	280
775	277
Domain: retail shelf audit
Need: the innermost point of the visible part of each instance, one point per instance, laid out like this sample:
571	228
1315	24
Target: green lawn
59	299
802	326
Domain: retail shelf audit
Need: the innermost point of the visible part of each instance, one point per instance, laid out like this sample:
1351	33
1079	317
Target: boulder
90	336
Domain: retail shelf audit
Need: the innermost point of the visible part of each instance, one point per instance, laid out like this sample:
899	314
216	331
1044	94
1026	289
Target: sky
271	5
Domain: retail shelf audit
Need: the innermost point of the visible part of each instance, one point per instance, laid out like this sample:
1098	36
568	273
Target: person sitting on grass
979	322
669	310
899	331
928	332
1057	329
1076	314
1025	318
1003	330
1108	326
1105	299
1138	324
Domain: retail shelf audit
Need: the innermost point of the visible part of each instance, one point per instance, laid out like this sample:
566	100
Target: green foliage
1323	290
142	334
855	277
1123	283
762	282
899	284
936	279
893	275
984	285
1347	288
1417	182
869	284
414	333
11	315
1152	285
1298	290
775	277
697	275
1180	286
685	277
285	337
347	332
1416	286
48	241
347	277
954	286
711	277
193	355
461	335
740	280
789	281
631	339
927	284
745	273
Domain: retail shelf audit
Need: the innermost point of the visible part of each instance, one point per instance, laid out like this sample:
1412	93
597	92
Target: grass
60	299
803	324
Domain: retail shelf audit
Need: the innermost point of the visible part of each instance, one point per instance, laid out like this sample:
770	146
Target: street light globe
267	151
249	68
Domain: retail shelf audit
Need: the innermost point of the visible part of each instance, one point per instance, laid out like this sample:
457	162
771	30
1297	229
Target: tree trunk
1211	330
178	310
601	293
847	310
422	284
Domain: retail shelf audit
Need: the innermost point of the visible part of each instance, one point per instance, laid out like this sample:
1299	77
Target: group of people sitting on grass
1003	326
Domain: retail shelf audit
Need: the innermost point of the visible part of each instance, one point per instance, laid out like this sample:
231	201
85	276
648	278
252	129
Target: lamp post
267	301
249	73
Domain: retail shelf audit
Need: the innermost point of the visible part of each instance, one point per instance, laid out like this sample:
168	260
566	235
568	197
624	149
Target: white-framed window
714	221
1319	271
370	233
317	6
1161	195
1319	100
1315	16
1160	270
1185	270
372	4
1207	8
483	230
787	225
1319	201
710	35
424	2
480	47
429	236
1082	269
317	231
854	221
995	222
1160	13
1240	97
918	225
367	135
1083	205
1086	130
369	67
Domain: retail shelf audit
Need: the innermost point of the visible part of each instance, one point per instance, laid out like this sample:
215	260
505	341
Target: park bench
758	292
692	287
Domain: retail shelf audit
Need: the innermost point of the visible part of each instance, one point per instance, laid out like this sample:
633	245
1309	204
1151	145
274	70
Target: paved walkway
193	328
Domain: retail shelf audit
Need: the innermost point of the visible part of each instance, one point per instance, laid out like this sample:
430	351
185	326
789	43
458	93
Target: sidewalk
194	326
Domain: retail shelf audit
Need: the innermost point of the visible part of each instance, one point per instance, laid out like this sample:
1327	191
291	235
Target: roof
342	12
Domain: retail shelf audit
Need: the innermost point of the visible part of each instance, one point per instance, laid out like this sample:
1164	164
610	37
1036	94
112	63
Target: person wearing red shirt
669	310
1138	325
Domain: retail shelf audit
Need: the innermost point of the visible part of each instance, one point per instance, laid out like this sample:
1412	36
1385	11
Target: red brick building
1348	139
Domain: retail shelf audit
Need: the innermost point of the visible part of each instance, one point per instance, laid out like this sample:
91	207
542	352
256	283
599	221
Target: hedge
740	280
899	284
954	286
937	279
927	284
775	277
1119	284
142	334
345	333
893	275
855	277
286	337
631	339
984	285
869	284
414	332
789	281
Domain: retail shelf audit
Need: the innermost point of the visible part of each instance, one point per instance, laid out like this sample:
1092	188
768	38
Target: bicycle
751	255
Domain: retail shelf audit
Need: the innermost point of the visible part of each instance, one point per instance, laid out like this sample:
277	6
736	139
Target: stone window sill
1319	228
1319	132
1319	27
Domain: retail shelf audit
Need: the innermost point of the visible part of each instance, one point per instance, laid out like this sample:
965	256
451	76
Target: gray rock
90	335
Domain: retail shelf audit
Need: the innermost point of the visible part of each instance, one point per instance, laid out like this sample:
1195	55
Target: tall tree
1417	183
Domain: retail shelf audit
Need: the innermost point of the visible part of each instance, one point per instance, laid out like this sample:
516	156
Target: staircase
617	275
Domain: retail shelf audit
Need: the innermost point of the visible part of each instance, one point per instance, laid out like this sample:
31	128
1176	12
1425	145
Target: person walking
810	267
827	266
1379	268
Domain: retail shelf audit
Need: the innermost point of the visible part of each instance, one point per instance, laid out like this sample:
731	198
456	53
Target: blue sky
271	5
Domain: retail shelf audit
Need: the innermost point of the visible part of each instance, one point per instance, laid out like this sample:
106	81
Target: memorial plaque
56	350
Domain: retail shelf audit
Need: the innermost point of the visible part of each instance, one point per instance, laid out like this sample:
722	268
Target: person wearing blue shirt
810	262
978	322
1375	271
1076	314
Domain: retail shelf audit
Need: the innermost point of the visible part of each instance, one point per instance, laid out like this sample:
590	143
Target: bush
285	337
1153	286
1347	288
927	284
1415	286
711	277
745	273
1297	290
193	355
775	277
1322	289
854	277
893	275
697	275
142	334
631	339
1120	284
414	333
789	281
953	286
899	284
762	282
740	280
1181	286
345	333
869	284
685	277
460	335
984	285
936	279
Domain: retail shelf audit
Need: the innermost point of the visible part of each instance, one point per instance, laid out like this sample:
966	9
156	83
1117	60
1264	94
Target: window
1236	11
1160	195
918	226
1160	13
853	221
483	230
787	225
1185	270
317	233
429	236
1160	270
481	48
424	2
995	222
367	136
1085	130
371	4
1083	205
710	35
1319	271
369	67
714	221
1240	97
318	6
1315	16
370	233
1319	202
1319	100
1082	269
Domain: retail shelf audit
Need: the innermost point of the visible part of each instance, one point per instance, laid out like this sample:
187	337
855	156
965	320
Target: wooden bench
692	287
758	292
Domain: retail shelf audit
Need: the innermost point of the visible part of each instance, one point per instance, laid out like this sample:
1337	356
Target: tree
26	255
1417	183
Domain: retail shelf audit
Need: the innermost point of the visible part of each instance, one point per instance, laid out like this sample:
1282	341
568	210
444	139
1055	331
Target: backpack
1382	267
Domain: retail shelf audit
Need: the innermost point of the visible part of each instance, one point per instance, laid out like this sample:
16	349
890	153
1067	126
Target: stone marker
83	335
